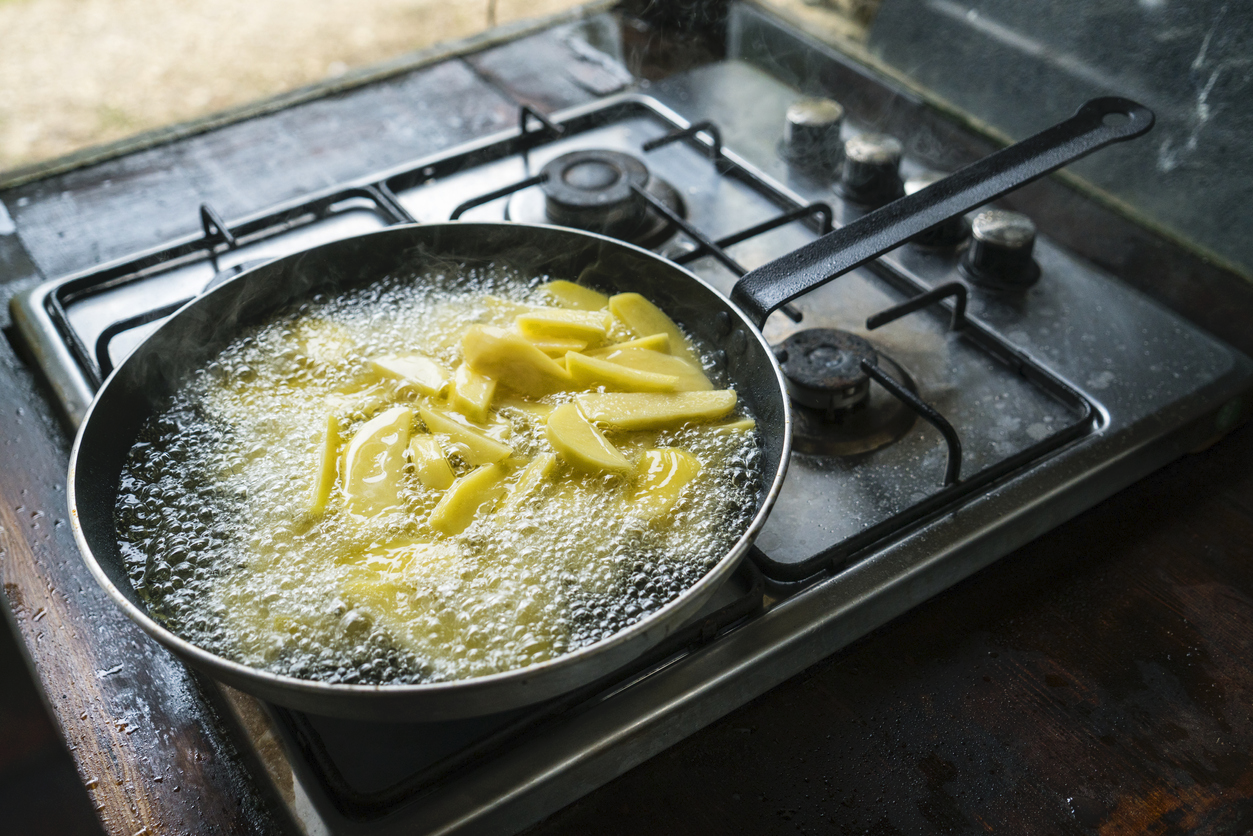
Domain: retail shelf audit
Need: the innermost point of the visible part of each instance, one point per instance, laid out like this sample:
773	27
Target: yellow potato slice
510	359
428	460
539	411
560	323
690	378
328	469
473	445
643	318
654	342
472	393
632	411
660	478
737	426
571	295
582	444
556	346
424	374
532	476
374	461
592	371
477	490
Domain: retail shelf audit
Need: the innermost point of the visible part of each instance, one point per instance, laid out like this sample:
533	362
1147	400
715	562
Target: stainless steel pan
143	384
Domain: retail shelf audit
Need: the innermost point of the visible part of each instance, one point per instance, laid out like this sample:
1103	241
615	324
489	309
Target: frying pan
144	382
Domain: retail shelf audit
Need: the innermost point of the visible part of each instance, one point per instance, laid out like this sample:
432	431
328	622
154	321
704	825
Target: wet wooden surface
1097	680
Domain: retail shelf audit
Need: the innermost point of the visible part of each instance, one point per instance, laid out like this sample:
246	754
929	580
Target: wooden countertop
1095	680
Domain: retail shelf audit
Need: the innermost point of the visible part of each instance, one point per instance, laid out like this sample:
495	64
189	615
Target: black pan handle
1098	123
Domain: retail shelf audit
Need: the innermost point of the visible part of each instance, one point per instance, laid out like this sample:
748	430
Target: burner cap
593	190
838	412
594	187
823	369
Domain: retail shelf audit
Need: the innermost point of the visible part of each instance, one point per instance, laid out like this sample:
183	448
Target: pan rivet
739	342
722	323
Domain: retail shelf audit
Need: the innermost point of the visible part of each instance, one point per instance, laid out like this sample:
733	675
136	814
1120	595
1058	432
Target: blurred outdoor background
76	73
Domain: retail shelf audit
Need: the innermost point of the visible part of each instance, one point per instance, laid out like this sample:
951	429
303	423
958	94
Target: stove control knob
948	233
811	134
999	256
870	175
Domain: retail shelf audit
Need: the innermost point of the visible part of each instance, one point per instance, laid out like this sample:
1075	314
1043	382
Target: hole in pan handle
765	289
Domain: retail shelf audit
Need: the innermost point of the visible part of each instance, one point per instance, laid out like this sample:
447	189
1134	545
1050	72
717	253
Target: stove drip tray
594	190
837	412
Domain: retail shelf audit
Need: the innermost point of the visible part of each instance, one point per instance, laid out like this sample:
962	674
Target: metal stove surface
1060	398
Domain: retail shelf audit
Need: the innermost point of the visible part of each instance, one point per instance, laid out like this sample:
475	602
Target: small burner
592	190
837	412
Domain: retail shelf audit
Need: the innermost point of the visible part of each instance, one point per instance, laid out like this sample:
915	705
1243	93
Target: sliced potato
472	393
690	378
643	318
328	466
653	342
556	346
429	461
473	445
660	478
426	375
560	323
632	411
510	359
738	425
532	476
582	444
593	371
374	461
571	295
538	411
477	490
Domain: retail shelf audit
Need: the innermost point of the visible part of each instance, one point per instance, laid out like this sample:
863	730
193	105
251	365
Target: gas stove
954	399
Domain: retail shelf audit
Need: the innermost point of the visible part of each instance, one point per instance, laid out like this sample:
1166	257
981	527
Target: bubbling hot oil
214	523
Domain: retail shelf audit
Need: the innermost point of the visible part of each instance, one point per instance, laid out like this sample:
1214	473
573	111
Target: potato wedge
643	318
689	378
632	411
473	445
582	444
426	375
563	324
513	361
739	425
328	466
532	475
374	461
593	371
571	295
472	393
476	491
429	461
654	342
557	346
660	478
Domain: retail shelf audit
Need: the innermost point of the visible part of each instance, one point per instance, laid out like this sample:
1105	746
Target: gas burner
837	412
595	190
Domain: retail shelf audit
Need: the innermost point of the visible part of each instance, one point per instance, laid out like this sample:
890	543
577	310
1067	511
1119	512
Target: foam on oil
214	524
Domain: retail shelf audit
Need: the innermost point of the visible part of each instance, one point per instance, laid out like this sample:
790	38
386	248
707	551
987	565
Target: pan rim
546	670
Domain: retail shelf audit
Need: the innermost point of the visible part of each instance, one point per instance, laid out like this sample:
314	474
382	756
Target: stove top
961	395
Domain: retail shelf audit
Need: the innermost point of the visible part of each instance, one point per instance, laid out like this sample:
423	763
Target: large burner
837	412
595	190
